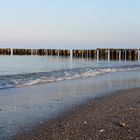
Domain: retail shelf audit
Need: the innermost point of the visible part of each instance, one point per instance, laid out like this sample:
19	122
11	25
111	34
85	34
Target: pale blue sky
70	23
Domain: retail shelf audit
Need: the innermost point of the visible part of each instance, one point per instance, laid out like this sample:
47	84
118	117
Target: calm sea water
35	88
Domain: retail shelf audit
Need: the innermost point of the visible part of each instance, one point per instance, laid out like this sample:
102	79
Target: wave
21	80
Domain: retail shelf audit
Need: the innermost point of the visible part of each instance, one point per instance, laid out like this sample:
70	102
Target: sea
36	88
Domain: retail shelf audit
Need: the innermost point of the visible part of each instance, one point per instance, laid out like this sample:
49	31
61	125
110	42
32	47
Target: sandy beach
112	117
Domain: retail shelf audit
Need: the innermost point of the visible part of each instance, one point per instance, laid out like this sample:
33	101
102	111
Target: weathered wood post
122	54
117	54
134	54
6	51
94	54
103	54
128	54
108	54
85	53
97	54
74	53
77	53
111	54
139	54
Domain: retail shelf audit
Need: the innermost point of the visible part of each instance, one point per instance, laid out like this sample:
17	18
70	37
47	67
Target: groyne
99	53
6	51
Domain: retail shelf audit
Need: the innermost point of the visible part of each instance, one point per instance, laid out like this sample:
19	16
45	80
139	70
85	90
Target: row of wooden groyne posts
101	54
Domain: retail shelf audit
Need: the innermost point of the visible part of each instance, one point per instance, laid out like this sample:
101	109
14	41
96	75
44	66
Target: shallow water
34	89
12	65
19	71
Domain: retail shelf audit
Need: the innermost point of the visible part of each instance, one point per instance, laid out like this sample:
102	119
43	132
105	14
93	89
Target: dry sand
114	117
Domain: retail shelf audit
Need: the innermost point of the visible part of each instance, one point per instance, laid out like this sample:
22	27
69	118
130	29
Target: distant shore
113	117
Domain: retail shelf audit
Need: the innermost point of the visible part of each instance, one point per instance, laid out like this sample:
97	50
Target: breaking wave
21	80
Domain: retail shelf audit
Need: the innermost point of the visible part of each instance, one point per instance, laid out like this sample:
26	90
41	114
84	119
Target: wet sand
113	117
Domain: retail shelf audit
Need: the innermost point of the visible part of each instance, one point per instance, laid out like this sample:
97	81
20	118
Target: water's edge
27	106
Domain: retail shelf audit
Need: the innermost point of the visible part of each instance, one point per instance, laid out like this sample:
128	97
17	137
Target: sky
70	23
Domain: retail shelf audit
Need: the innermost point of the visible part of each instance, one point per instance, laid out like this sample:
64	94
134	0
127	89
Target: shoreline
114	116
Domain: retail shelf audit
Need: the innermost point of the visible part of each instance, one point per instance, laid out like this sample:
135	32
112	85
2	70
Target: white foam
40	78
